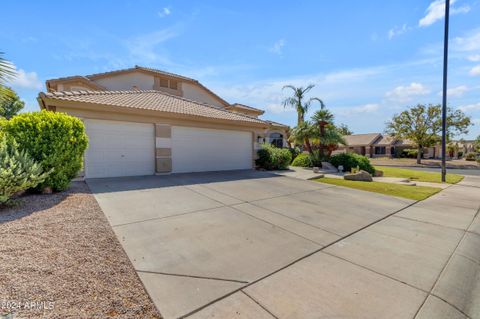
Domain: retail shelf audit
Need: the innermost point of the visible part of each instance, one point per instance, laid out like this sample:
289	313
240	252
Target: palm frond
7	70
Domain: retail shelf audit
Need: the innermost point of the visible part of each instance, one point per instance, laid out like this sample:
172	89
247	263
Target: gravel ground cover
59	258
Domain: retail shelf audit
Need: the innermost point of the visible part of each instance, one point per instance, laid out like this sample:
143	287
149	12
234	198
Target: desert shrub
352	160
18	171
410	153
271	157
471	156
294	151
55	140
302	160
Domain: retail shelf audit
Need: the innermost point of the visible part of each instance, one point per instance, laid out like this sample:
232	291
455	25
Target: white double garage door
128	149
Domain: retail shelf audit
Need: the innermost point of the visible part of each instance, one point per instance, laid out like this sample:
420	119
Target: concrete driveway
249	244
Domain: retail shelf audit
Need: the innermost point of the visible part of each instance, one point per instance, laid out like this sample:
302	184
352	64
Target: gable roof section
361	139
245	107
90	78
148	100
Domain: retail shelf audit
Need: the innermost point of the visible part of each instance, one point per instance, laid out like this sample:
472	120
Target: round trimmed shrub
471	156
302	160
271	157
352	160
55	140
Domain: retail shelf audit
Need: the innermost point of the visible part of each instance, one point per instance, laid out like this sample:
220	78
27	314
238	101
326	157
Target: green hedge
302	160
271	157
55	140
352	160
471	156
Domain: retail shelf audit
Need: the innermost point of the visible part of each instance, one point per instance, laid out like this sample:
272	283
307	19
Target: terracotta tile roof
150	100
243	106
361	139
276	123
137	67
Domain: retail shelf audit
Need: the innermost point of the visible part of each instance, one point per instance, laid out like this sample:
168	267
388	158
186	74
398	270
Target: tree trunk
308	146
419	155
321	147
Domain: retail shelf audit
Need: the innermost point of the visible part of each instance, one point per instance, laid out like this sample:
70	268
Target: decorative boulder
361	176
378	173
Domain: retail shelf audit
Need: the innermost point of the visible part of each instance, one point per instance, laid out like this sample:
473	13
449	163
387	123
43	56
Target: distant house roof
385	140
90	78
149	100
361	139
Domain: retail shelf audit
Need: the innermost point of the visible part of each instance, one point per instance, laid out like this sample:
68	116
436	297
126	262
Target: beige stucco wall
193	92
126	81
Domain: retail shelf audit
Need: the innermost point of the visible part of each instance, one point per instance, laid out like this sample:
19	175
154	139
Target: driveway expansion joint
259	304
191	276
297	260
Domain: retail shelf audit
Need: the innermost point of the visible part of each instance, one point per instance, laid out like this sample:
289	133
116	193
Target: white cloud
407	93
144	47
164	12
475	70
27	80
456	91
395	31
277	47
367	108
436	11
470	107
474	58
471	42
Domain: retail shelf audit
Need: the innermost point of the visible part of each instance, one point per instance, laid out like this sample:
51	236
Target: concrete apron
258	246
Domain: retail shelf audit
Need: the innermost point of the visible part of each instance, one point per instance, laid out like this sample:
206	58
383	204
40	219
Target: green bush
471	156
294	151
302	160
55	140
352	160
410	153
460	154
18	171
271	157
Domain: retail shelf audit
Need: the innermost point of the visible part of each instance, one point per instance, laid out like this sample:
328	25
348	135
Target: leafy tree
344	130
476	145
423	125
10	104
296	101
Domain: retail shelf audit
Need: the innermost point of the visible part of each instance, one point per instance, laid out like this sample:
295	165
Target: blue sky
368	59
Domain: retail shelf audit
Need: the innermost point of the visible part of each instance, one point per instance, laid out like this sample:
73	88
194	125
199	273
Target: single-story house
374	145
382	145
143	121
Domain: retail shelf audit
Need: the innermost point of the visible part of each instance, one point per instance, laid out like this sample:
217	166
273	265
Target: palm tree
296	101
323	118
302	134
7	70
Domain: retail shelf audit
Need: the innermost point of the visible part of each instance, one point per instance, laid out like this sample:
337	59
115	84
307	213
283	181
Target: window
173	84
276	139
380	150
163	83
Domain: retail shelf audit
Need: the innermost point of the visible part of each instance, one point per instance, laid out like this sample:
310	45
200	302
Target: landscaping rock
328	167
378	173
361	176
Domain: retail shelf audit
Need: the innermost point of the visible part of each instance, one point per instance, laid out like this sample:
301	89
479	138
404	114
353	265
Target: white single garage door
119	149
202	150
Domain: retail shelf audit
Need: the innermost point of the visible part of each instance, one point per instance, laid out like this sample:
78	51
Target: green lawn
419	176
405	191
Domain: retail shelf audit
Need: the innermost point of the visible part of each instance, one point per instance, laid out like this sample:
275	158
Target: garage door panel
119	149
199	149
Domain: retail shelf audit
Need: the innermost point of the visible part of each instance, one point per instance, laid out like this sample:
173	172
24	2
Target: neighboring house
375	145
142	121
